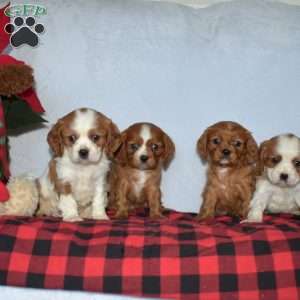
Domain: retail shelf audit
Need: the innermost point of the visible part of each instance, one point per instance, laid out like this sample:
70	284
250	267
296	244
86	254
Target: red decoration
3	147
32	100
29	96
4	193
4	37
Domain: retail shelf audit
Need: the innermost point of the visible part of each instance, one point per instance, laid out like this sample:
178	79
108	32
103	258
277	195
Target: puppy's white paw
72	219
254	217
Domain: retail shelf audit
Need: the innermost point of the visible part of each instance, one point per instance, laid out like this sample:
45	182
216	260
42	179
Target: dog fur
140	153
232	154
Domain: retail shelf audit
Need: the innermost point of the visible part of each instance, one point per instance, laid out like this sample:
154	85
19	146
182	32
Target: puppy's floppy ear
263	155
55	139
263	149
118	148
252	150
169	150
202	145
112	135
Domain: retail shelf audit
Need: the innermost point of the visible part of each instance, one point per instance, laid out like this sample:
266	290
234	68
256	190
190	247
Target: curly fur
15	79
23	197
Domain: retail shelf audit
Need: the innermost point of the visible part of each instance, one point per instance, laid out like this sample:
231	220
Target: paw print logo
24	33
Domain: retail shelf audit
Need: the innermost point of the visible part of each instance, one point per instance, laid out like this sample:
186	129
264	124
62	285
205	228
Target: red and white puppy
140	153
232	154
278	189
74	185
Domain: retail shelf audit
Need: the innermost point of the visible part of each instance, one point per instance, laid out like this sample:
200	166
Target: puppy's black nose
144	158
284	176
83	153
226	152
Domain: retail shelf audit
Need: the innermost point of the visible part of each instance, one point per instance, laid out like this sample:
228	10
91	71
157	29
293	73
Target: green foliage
18	114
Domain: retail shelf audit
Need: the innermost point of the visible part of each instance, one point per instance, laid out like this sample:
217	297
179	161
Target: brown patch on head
296	163
227	143
118	149
158	149
61	134
105	133
122	148
267	153
165	147
15	79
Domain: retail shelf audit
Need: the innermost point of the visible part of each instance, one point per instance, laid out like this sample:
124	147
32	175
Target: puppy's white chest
222	173
284	200
83	181
139	183
83	188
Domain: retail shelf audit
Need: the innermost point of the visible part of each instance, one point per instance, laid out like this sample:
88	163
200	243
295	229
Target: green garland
18	114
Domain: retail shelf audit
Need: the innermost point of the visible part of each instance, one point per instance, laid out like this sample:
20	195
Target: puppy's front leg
153	195
298	203
99	203
208	207
257	206
68	208
245	196
122	201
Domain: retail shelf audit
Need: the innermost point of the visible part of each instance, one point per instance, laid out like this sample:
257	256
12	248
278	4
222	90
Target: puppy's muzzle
144	158
226	152
284	177
83	153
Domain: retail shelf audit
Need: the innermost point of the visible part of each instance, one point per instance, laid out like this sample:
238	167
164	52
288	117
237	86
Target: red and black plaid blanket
171	258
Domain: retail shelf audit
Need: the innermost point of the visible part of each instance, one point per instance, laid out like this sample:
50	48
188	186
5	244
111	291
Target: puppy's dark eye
72	138
95	138
237	143
154	147
297	163
275	160
134	147
216	141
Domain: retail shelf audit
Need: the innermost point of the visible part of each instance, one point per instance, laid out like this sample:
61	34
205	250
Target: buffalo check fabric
172	258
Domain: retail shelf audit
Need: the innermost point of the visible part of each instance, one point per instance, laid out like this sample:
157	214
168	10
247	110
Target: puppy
232	154
278	189
140	153
74	185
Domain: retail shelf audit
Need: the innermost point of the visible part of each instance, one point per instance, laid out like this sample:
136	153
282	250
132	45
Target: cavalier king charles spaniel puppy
232	154
140	153
74	185
278	188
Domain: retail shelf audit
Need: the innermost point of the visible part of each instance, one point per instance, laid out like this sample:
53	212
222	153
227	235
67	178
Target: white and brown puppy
278	189
74	185
140	154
